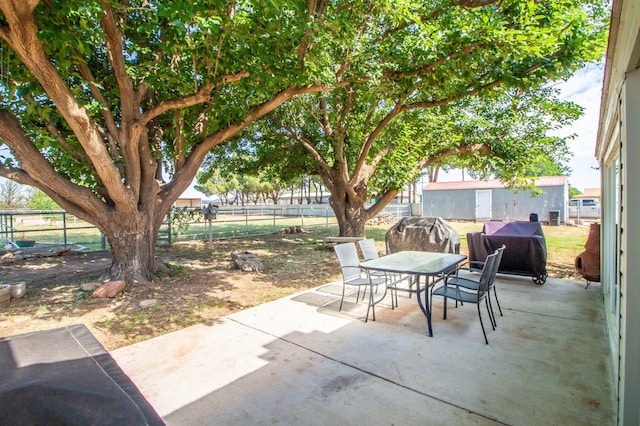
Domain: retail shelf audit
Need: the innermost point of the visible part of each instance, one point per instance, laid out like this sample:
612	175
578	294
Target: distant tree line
244	189
14	196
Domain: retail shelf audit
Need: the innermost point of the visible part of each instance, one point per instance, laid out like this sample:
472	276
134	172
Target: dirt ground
202	286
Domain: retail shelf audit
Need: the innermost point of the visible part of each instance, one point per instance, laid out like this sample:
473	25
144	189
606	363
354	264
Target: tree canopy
110	107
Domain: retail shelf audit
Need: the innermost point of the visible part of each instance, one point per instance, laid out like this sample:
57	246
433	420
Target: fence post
64	228
169	230
274	220
103	242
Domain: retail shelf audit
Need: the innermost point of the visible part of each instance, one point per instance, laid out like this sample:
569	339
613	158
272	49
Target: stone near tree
246	261
110	289
292	230
148	303
90	286
162	270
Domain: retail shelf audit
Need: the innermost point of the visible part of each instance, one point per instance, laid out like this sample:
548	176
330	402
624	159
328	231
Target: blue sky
584	88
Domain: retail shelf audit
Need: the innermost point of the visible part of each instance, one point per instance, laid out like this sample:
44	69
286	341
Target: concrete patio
298	360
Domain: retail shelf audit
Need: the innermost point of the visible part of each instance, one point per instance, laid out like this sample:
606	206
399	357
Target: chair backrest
487	274
349	262
368	248
496	265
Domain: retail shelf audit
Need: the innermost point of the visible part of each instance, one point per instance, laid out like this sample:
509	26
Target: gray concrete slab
298	360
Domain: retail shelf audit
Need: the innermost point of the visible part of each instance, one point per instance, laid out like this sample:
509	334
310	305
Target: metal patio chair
473	284
460	295
352	275
369	251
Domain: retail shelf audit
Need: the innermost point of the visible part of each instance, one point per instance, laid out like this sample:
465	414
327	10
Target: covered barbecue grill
64	376
422	234
526	248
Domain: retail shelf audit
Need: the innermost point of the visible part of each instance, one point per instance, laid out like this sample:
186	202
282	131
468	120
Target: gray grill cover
422	234
526	248
65	377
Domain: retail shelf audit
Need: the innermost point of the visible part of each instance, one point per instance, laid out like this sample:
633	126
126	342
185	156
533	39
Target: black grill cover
65	377
422	234
526	248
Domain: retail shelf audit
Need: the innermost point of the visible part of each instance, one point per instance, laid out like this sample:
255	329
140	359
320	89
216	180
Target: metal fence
244	221
23	229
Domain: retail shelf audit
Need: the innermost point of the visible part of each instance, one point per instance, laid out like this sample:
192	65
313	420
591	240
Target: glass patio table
430	265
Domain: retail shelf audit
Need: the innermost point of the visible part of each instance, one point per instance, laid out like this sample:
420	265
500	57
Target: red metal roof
542	181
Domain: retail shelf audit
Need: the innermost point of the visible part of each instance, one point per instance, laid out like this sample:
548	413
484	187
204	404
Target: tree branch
56	134
429	68
382	202
469	4
306	144
470	91
326	123
179	145
344	113
23	39
182	179
36	169
85	72
315	9
116	58
463	149
74	153
199	97
366	147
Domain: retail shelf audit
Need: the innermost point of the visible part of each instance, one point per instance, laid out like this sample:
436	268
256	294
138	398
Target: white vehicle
584	208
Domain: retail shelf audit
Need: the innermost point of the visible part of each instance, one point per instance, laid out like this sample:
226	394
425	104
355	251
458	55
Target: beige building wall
618	153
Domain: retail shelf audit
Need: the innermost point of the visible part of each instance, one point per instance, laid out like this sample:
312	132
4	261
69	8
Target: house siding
618	153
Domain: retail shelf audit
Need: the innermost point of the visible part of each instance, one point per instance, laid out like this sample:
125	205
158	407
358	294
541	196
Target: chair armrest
471	265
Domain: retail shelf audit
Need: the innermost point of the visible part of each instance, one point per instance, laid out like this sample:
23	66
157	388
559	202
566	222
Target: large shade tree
505	135
100	96
466	82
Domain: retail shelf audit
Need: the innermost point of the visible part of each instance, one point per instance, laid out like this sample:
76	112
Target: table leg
444	316
424	307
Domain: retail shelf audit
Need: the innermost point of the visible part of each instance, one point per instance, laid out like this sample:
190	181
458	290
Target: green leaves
389	80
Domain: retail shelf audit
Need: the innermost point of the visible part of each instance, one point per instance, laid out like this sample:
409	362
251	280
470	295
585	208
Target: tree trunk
350	212
133	245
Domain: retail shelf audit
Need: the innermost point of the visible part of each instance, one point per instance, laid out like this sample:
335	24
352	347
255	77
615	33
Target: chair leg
495	294
492	317
444	310
370	306
342	300
482	325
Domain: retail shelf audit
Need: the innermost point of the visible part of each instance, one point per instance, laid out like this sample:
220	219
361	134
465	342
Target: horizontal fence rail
42	229
48	228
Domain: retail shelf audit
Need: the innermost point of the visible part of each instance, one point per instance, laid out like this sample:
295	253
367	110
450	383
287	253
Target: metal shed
490	200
